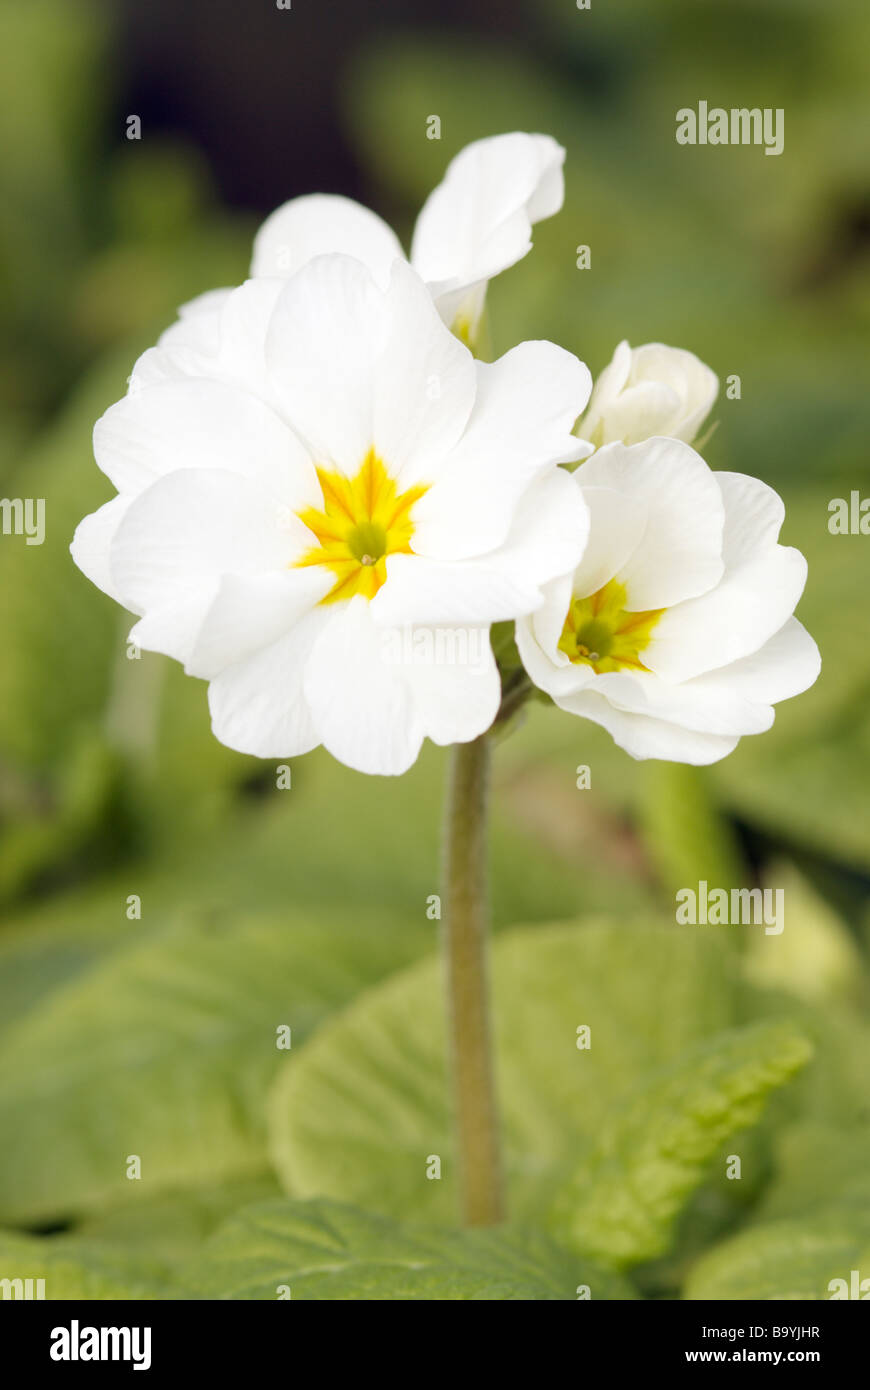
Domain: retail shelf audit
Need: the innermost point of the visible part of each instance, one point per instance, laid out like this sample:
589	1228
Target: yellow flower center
363	520
601	633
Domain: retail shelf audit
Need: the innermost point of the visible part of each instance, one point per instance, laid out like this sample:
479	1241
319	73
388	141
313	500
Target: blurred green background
263	906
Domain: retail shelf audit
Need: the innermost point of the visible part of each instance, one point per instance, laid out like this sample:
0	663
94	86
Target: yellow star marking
363	520
601	633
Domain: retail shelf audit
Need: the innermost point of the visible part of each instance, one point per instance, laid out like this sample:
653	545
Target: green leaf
324	1250
686	835
811	1158
51	93
356	1114
815	957
165	1050
320	844
58	634
623	1199
833	1090
43	950
786	1259
83	799
273	850
171	1226
78	1269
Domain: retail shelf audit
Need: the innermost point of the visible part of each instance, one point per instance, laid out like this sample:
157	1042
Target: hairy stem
466	940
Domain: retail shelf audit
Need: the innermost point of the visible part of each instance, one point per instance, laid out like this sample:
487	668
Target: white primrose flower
646	391
348	473
675	631
476	223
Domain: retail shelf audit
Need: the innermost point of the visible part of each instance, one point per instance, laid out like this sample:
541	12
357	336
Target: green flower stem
515	692
465	937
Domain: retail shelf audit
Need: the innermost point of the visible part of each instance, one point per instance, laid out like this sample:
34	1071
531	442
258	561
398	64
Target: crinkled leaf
79	1269
786	1259
357	1112
623	1198
326	1250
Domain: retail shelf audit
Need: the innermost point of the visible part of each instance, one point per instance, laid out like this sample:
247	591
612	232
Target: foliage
154	1036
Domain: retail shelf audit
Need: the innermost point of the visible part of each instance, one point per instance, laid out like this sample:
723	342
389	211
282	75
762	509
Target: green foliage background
307	907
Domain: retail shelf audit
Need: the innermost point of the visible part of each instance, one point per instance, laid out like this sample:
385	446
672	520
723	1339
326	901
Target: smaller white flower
675	632
647	391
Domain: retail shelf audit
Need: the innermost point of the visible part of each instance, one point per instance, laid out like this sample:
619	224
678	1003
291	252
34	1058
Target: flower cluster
325	500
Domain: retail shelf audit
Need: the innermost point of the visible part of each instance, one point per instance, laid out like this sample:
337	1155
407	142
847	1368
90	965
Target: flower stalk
465	945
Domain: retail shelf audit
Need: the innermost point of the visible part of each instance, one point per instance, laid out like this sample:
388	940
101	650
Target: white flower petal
545	541
251	611
734	620
754	514
457	591
194	313
787	664
548	621
608	384
549	533
690	380
758	593
92	543
195	525
376	692
225	342
326	336
425	383
258	705
679	555
617	525
318	225
173	627
188	346
365	713
648	391
537	638
715	708
478	221
456	698
190	424
244	324
640	412
643	737
520	426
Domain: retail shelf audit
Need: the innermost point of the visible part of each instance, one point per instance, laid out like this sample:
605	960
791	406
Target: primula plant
364	535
